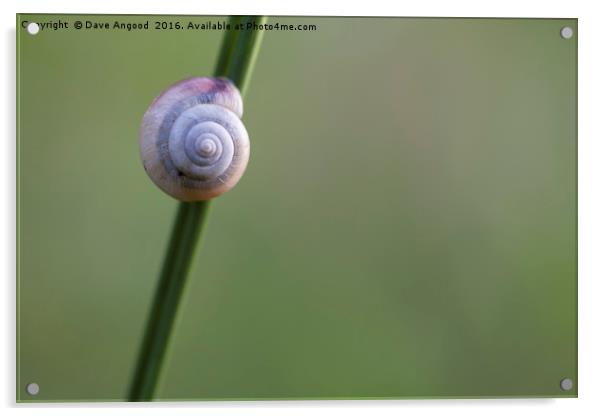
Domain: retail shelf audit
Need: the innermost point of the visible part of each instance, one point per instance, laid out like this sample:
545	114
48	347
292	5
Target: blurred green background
406	226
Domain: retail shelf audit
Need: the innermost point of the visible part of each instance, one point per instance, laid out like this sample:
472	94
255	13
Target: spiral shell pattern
192	142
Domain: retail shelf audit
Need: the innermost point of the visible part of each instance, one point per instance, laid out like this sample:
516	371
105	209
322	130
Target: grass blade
236	59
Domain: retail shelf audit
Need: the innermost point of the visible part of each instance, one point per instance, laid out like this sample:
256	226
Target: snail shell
192	142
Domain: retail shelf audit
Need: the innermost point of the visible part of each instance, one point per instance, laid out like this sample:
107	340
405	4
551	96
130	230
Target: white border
590	201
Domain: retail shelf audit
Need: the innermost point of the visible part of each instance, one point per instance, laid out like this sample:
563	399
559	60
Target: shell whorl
192	142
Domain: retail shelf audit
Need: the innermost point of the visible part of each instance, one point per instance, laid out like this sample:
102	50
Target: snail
193	144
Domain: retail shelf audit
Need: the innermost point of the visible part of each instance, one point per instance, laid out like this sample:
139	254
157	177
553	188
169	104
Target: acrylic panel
405	227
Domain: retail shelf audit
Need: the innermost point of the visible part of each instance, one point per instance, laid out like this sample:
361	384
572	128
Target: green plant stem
237	56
